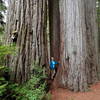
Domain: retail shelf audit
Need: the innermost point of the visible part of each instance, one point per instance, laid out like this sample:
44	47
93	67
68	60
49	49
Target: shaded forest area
35	31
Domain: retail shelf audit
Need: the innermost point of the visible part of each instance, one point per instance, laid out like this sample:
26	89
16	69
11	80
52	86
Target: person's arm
56	62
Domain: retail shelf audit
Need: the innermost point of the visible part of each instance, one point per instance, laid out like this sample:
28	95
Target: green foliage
1	30
3	9
3	82
34	89
3	88
6	50
1	38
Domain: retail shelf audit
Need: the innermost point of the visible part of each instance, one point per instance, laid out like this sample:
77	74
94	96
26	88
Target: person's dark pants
52	73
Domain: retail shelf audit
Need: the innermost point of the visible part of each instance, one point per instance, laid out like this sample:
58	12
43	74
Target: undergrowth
34	89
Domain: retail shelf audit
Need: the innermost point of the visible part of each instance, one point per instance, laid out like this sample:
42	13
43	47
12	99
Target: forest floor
64	94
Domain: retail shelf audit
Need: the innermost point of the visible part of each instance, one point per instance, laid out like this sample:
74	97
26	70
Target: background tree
2	23
2	10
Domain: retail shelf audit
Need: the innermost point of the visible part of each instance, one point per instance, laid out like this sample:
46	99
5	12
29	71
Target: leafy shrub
3	82
34	89
4	50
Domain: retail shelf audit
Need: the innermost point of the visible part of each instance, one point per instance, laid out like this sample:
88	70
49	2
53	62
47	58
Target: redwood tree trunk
78	45
29	18
54	20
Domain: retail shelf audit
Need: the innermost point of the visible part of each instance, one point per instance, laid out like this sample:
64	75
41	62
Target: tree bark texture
73	39
78	45
29	18
98	21
54	21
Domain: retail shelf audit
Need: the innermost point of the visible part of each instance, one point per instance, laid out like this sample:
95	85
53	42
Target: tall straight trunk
41	50
22	62
54	20
29	18
78	45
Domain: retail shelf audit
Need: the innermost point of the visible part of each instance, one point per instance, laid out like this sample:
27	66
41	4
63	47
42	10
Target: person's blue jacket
53	64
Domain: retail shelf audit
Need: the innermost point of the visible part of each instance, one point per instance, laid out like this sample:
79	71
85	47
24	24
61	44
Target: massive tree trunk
98	20
73	38
29	18
78	45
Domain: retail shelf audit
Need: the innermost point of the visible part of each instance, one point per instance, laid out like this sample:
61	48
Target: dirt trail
64	94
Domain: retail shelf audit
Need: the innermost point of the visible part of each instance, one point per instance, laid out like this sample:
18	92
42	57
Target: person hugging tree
53	71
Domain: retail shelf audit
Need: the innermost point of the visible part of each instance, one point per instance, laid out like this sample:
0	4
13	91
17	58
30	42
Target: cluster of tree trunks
73	39
29	19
